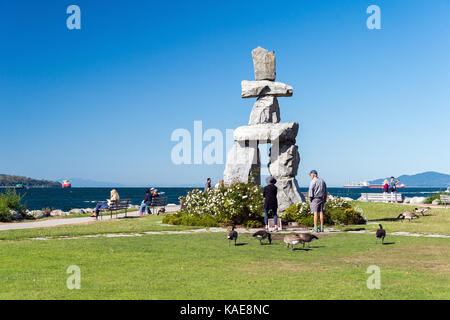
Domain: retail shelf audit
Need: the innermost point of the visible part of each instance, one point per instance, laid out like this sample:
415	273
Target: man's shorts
317	205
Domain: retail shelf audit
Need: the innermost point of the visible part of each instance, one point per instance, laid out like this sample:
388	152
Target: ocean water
66	199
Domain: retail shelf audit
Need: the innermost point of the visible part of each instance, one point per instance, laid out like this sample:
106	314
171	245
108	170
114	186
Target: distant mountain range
11	181
425	179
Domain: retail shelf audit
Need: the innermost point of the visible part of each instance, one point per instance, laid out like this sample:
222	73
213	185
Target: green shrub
336	211
436	196
187	219
346	217
301	213
253	224
5	216
10	200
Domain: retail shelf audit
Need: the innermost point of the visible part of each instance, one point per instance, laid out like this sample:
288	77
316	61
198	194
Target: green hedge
336	211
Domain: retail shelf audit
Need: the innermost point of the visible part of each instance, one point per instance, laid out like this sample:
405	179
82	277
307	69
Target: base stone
284	160
288	193
243	164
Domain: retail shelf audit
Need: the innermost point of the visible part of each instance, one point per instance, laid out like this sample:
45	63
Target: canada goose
261	235
232	235
306	238
291	240
422	210
407	215
380	234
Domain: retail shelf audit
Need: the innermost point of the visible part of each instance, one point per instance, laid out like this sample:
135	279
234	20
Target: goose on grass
262	235
232	236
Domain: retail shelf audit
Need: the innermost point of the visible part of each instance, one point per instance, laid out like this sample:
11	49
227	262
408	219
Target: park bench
382	197
157	203
445	199
122	204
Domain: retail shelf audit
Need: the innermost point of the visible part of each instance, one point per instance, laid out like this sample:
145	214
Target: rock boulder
267	133
265	110
243	164
264	64
254	89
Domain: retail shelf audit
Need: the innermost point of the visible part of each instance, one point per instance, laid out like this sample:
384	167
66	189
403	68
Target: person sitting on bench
146	202
105	205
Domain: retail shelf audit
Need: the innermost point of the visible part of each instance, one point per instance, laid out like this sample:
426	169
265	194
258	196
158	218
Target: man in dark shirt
270	202
208	184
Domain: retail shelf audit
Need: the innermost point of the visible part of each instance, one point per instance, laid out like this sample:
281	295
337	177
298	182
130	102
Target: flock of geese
290	239
408	215
305	238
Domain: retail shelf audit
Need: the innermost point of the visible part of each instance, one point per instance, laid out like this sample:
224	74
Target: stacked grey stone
243	161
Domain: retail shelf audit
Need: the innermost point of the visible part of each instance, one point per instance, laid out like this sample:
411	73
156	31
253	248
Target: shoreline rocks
15	215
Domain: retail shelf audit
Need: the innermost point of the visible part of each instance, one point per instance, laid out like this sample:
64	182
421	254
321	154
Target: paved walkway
55	222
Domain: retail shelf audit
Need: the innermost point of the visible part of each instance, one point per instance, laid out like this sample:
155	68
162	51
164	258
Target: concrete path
55	222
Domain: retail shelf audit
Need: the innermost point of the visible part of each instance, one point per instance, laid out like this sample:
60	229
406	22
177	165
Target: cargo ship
360	185
66	184
367	185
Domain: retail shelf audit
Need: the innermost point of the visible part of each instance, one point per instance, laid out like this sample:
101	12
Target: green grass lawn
129	225
435	221
202	266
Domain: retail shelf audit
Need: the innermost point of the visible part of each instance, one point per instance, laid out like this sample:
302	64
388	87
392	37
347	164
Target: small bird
380	234
407	215
162	210
291	239
261	235
232	235
306	238
422	210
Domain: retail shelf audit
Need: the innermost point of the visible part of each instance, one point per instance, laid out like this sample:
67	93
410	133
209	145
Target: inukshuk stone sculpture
243	161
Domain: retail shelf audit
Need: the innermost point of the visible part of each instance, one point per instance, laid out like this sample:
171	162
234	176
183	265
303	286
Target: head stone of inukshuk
243	160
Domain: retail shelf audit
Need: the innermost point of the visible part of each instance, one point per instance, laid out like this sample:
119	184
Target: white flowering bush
240	203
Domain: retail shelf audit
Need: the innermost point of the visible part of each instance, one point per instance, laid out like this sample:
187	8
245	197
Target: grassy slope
436	221
130	225
202	266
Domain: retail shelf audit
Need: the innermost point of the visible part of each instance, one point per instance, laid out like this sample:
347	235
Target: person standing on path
386	186
208	184
270	202
317	196
393	185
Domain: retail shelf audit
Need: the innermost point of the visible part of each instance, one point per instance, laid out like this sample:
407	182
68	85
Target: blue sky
101	103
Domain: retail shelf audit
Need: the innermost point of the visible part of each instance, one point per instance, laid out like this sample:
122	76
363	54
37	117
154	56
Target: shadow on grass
384	219
388	243
354	229
241	244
